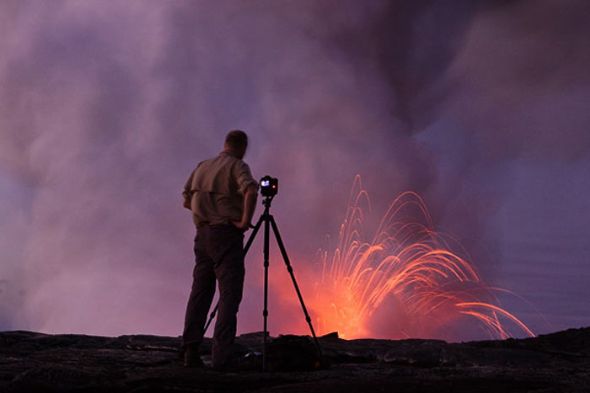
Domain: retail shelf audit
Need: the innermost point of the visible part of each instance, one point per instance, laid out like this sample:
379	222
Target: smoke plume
105	108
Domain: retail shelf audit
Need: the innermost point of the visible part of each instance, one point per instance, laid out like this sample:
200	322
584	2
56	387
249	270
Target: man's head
236	143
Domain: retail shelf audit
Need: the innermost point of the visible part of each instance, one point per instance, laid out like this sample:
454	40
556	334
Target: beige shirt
216	190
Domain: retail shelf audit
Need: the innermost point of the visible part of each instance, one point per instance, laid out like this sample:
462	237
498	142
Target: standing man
221	193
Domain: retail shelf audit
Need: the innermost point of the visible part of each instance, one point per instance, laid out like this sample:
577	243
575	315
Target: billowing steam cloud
105	107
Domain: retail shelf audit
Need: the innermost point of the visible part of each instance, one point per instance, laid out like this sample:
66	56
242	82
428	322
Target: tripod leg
290	270
252	236
246	248
210	318
266	264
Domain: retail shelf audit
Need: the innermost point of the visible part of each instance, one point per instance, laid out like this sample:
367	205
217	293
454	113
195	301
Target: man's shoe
192	358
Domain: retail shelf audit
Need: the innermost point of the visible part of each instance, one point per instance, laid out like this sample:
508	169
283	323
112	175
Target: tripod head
266	202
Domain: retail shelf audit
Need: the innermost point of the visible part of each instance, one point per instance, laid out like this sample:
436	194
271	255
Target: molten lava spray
405	265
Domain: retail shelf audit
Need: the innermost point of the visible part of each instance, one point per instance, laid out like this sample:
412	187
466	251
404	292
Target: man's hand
241	225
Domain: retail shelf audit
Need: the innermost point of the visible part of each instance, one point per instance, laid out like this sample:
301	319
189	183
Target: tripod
269	222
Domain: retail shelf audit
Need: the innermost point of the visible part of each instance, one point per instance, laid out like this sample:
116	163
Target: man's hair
236	139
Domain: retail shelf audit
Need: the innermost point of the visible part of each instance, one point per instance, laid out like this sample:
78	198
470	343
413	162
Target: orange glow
406	264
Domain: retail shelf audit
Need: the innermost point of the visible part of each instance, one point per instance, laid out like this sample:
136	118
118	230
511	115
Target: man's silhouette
221	193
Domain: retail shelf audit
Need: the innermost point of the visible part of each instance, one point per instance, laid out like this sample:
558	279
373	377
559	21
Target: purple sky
106	106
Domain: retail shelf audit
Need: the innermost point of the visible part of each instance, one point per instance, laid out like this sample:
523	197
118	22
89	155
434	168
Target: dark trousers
219	256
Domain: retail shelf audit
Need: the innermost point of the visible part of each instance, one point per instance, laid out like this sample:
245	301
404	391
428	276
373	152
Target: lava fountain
407	272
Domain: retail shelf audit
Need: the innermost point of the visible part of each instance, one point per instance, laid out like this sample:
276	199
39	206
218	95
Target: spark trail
407	264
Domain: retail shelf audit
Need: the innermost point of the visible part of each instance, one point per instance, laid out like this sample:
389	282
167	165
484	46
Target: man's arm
250	198
187	192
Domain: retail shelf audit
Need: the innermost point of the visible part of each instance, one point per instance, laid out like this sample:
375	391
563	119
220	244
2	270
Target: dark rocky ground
35	362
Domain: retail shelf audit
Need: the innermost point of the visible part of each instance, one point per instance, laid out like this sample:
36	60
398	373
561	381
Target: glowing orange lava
407	273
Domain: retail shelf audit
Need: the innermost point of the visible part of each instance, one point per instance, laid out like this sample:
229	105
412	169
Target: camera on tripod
269	186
